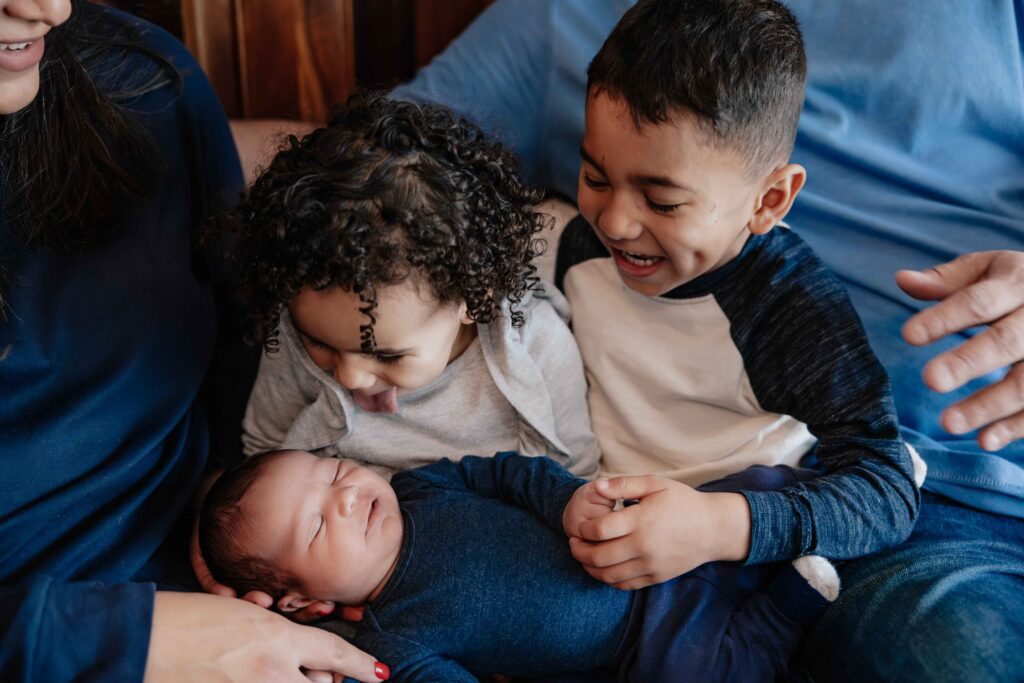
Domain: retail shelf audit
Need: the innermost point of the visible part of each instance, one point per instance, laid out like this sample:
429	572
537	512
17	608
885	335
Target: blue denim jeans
947	605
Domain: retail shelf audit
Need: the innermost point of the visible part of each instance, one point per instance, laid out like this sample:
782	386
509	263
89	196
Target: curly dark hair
386	190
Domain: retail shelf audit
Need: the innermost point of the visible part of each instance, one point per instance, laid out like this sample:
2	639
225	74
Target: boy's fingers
601	555
320	650
313	611
608	526
625	488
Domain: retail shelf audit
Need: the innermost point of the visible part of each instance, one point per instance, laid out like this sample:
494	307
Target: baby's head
386	234
692	109
301	528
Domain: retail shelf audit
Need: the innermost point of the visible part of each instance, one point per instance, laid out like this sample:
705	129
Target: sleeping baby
464	570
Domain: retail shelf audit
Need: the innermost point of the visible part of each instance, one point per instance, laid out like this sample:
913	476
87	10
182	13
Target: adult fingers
940	281
968	302
202	571
626	488
259	598
1000	345
320	676
604	554
319	650
985	408
313	611
1001	433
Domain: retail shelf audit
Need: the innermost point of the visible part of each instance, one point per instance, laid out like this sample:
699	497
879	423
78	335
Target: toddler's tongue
383	402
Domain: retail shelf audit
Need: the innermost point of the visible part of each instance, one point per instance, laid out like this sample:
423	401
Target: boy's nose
617	223
347	500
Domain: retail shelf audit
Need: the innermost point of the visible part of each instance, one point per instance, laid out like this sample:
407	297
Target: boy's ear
293	602
781	189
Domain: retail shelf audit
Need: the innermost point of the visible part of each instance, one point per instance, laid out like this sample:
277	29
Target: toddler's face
332	524
416	339
668	205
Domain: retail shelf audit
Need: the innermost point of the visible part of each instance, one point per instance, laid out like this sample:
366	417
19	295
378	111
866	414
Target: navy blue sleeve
53	631
807	356
538	484
411	662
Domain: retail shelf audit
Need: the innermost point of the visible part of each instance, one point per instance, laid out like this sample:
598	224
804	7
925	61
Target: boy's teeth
639	259
14	46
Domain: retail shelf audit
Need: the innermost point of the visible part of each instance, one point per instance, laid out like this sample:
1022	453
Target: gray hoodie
536	368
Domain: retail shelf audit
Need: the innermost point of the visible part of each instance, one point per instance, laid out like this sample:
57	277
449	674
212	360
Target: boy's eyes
599	185
387	360
662	208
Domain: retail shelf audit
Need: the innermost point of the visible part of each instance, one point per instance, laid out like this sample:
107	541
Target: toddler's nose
351	374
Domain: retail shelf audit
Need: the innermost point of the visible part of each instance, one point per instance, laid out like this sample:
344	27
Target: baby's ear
293	602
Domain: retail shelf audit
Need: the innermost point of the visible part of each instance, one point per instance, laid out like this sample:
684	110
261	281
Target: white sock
820	574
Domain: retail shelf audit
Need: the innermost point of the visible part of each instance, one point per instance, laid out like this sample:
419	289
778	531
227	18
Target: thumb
940	281
324	651
627	488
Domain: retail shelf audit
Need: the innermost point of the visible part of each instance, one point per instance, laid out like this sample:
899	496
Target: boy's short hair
222	531
738	66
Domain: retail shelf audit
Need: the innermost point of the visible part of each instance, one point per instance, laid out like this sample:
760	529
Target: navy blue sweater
485	583
101	436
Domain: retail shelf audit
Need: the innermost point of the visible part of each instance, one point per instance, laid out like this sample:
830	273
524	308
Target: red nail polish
382	671
323	613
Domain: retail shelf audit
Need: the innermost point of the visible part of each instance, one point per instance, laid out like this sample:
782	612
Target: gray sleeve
282	391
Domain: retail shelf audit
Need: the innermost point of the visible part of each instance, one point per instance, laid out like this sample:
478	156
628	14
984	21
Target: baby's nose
347	500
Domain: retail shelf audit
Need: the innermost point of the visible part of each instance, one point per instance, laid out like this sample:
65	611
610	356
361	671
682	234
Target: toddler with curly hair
385	263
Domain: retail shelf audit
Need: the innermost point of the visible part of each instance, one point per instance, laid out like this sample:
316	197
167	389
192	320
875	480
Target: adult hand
974	289
312	612
586	504
669	531
198	637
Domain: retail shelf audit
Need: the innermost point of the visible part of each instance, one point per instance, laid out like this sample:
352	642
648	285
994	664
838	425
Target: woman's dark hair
738	66
386	191
71	157
222	533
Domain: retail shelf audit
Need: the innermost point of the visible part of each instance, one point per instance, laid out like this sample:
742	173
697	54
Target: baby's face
332	524
416	338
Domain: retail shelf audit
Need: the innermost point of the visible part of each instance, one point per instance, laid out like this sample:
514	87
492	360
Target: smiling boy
713	342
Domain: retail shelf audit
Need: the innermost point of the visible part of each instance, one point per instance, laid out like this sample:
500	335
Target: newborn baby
464	570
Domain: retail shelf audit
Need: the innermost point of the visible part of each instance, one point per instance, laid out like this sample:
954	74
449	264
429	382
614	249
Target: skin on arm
980	288
636	547
197	637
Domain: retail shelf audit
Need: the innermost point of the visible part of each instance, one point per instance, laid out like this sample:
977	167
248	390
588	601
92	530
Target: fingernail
956	422
942	378
381	670
601	483
323	612
994	440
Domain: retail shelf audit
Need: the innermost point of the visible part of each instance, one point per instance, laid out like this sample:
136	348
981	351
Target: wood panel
295	57
209	34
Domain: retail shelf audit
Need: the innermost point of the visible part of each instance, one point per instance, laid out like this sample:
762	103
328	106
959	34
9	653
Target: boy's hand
671	530
586	504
